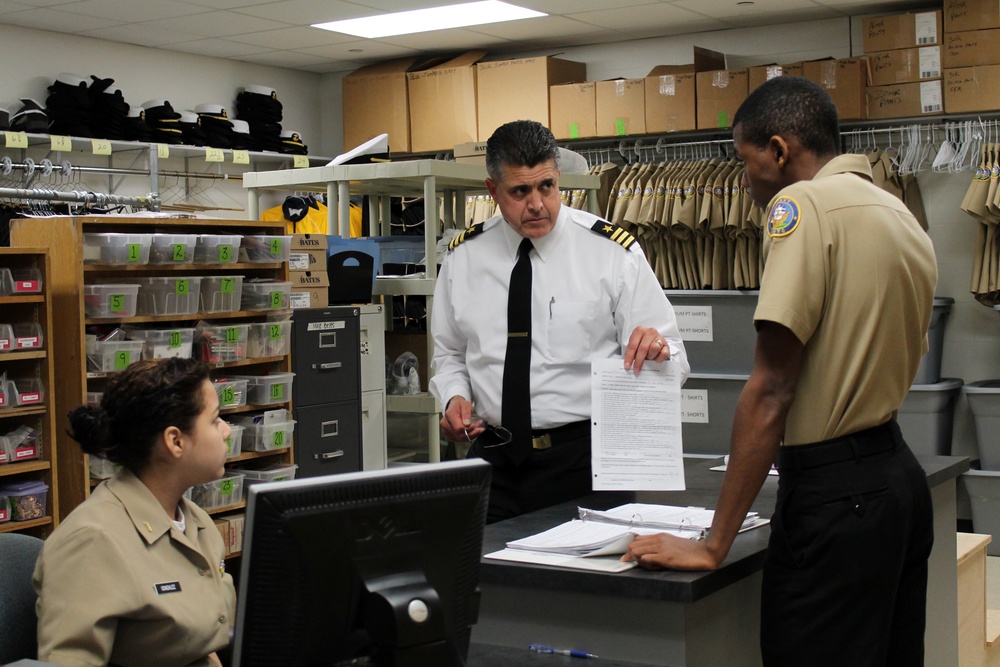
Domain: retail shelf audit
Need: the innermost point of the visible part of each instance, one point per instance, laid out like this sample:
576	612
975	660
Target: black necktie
516	398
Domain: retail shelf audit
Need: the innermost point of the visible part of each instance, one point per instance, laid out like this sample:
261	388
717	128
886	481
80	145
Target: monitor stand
404	618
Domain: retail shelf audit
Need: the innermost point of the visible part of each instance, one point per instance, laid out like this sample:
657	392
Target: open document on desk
597	539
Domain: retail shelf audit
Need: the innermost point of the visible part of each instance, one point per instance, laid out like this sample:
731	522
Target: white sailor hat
188	117
240	126
258	89
212	110
72	79
152	104
136	112
288	134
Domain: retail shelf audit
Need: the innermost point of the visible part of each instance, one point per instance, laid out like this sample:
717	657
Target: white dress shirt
588	294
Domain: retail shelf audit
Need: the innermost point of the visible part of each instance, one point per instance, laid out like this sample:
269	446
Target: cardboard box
309	242
375	100
443	104
720	94
573	110
845	80
761	73
670	99
471	152
962	15
309	279
968	89
223	526
792	69
519	89
621	107
236	526
971	48
902	31
905	100
904	65
307	260
309	297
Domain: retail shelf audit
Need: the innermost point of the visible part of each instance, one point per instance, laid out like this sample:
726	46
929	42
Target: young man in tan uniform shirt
845	301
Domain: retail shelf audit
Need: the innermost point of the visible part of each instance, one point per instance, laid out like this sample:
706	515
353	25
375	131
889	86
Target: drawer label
694	406
30	341
175	339
326	326
179	252
695	322
134	252
278	440
226	255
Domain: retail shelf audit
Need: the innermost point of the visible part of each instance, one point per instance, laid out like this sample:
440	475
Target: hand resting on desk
662	551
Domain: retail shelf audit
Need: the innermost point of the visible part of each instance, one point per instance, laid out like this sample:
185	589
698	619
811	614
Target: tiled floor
993	582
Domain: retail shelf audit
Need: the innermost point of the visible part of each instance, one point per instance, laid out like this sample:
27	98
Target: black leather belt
545	438
871	441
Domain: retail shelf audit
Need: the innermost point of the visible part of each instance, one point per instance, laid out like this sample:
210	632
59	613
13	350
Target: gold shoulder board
474	230
613	232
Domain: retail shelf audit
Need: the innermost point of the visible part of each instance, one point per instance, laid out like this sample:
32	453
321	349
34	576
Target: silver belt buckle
541	441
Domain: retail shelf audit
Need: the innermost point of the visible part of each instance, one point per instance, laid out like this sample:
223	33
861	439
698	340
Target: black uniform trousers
546	477
845	578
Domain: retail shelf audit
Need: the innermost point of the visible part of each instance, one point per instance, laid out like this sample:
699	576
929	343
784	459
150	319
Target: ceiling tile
129	11
529	30
307	12
444	40
293	38
332	66
282	59
407	5
56	20
730	10
225	4
217	24
640	16
7	6
137	33
371	51
46	3
575	6
218	48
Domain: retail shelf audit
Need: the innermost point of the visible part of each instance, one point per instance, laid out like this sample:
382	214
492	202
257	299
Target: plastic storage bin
20	281
4	509
25	450
220	493
266	437
27	391
28	336
984	401
232	393
927	415
94	397
110	300
266	296
221	343
264	248
929	370
100	467
172	248
276	473
168	295
6	395
217	249
234	443
27	499
268	389
164	343
112	355
7	342
114	248
269	339
221	294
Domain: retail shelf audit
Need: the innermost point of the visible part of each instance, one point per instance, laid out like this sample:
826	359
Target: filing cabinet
326	359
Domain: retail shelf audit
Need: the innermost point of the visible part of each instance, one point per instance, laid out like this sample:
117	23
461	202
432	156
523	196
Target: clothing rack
150	202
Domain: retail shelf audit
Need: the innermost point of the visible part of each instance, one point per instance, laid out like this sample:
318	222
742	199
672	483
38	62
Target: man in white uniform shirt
591	294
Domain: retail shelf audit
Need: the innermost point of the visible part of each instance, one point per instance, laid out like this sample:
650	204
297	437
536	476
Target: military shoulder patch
783	217
474	230
613	232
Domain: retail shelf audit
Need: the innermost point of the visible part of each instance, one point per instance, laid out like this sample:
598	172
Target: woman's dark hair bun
89	427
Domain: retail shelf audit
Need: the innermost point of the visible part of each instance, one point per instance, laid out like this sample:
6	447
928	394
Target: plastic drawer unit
264	248
112	355
217	249
234	443
112	248
25	391
270	389
232	393
20	281
168	295
219	493
27	499
216	344
266	295
103	301
172	248
165	343
28	336
221	294
269	339
276	473
266	437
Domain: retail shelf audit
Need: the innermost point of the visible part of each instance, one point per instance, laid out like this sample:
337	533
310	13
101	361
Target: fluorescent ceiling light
435	18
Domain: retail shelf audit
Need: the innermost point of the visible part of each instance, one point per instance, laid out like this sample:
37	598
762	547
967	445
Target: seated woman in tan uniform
134	576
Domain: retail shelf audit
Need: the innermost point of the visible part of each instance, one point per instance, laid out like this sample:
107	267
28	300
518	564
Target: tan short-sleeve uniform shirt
118	582
851	273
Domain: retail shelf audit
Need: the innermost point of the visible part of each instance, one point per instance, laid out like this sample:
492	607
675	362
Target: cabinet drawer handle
326	367
326	456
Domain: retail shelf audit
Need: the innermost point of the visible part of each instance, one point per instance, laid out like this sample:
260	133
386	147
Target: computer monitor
370	568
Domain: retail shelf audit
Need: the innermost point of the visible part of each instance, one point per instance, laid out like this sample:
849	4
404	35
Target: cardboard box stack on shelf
307	271
719	94
671	92
845	80
902	64
971	56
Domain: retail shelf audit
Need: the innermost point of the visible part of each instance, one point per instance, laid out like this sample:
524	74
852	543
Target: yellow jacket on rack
313	220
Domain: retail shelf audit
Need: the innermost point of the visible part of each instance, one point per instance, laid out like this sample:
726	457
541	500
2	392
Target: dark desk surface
745	557
487	655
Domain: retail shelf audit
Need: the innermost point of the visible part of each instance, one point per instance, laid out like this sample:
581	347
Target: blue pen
538	648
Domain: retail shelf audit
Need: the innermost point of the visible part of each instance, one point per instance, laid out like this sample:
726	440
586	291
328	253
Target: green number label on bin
229	445
275	246
277	391
182	287
225	253
134	252
228	395
179	252
122	359
275	299
274	331
279	439
232	335
116	303
175	339
226	488
227	285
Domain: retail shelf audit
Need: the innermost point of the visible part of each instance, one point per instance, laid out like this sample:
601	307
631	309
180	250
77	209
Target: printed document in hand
588	542
636	427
